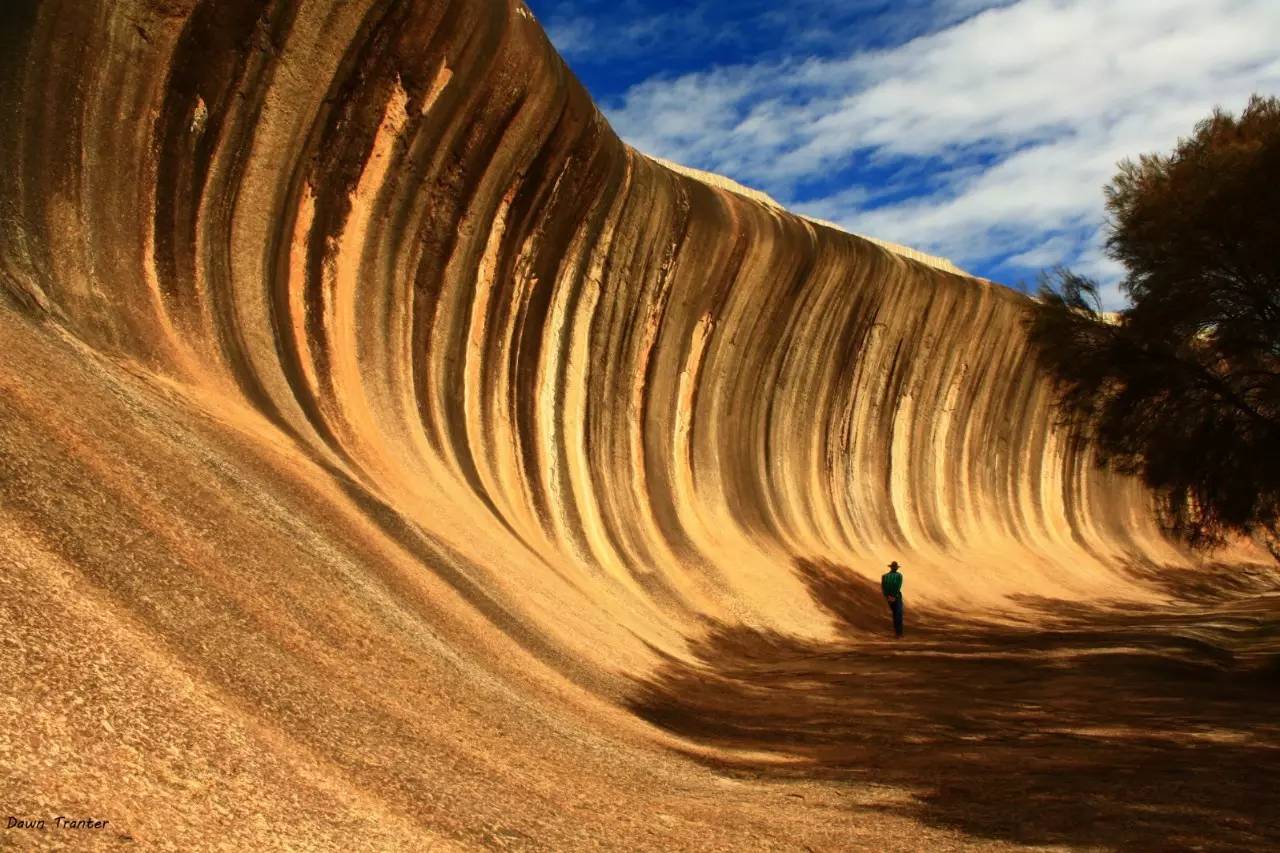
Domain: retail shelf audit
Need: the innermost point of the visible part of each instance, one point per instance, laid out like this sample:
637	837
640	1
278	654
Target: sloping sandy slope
382	443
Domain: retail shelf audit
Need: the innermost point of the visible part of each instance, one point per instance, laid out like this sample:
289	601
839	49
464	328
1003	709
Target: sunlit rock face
374	418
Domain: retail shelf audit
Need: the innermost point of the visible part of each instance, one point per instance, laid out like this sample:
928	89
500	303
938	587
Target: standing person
891	586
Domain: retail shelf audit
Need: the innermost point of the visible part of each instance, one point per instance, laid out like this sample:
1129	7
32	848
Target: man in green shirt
891	586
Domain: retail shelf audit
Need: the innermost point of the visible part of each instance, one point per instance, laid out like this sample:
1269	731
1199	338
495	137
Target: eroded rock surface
376	425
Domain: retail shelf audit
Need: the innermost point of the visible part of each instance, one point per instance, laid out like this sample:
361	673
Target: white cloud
598	33
572	36
1046	253
1019	114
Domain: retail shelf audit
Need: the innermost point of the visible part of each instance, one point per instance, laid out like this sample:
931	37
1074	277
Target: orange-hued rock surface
390	458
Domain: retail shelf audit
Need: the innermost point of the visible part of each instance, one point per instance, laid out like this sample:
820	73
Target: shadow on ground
1115	728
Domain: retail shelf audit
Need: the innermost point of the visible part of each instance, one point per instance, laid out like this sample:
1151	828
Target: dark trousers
895	607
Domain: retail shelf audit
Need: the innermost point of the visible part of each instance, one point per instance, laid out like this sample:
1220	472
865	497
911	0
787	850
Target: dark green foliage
1183	387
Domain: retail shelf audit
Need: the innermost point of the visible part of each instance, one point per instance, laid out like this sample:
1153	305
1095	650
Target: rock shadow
1101	727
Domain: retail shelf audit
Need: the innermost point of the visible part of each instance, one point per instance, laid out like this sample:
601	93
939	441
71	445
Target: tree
1183	387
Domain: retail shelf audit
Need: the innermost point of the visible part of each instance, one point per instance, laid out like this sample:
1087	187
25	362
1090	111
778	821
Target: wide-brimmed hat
894	564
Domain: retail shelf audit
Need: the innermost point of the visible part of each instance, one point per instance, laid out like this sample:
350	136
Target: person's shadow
1094	727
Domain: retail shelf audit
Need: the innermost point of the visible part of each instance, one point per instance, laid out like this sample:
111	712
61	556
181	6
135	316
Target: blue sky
981	130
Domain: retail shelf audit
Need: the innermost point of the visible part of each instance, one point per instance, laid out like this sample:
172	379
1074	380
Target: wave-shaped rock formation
375	423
